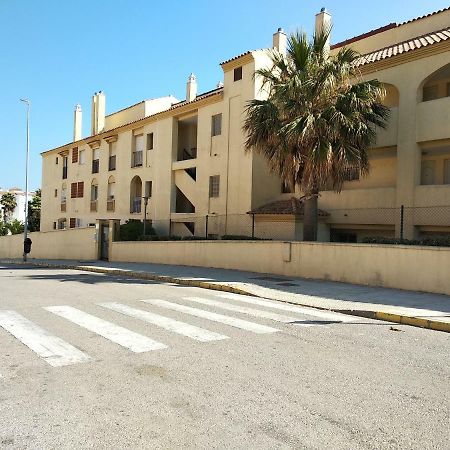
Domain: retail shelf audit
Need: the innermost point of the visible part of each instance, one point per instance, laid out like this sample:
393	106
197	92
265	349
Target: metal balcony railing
93	205
112	163
95	165
136	205
136	160
110	205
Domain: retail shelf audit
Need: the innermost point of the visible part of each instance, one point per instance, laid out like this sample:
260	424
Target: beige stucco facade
179	146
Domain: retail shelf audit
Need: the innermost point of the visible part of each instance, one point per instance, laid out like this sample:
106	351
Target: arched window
436	85
110	205
135	195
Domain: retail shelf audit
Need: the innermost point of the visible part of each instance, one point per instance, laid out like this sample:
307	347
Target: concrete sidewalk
406	307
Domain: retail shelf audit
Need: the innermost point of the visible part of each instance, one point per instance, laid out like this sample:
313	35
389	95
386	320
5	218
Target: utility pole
25	228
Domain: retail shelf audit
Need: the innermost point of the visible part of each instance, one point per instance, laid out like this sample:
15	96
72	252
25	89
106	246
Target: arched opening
436	86
94	195
136	195
110	205
392	97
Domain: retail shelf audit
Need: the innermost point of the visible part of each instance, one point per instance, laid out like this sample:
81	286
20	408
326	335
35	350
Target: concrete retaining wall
404	267
76	243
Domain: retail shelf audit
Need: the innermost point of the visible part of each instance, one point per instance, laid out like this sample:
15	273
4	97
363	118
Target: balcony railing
136	205
136	160
63	206
110	205
93	205
112	163
64	174
95	165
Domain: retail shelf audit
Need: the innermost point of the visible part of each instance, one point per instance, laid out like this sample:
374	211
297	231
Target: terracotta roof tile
384	28
292	206
407	46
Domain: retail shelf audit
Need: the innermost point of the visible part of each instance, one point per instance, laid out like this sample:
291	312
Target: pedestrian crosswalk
225	310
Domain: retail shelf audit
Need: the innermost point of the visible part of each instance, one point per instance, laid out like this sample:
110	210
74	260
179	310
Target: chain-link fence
338	225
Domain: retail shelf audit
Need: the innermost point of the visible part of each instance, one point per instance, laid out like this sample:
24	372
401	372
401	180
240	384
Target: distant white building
19	211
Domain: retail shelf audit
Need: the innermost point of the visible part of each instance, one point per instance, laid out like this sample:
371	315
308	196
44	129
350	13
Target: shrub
133	229
431	241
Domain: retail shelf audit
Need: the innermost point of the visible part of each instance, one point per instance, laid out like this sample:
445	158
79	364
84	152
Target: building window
77	190
112	156
150	141
428	172
214	184
216	125
95	160
82	157
56	192
136	160
64	174
238	73
54	225
72	222
430	93
56	160
148	188
75	155
62	224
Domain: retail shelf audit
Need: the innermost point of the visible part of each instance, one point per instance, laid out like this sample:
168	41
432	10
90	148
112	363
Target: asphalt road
109	371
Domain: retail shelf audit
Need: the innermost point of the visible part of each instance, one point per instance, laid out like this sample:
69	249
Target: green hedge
435	241
133	229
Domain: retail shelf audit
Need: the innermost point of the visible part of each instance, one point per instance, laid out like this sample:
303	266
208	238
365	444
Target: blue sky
58	53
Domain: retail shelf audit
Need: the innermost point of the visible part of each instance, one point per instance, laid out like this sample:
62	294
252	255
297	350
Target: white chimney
323	24
280	41
191	88
98	112
77	116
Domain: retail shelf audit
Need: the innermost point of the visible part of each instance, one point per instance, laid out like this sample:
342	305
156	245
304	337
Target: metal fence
341	225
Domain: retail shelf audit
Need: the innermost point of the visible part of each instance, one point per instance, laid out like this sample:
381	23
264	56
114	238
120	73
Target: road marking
52	349
135	342
227	320
325	315
167	323
244	310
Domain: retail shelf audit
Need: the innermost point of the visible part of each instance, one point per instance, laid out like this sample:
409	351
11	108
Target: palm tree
8	200
318	121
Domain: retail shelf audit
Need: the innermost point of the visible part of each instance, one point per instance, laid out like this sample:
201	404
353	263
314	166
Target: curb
376	315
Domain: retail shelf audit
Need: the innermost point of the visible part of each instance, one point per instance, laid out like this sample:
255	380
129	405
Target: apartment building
19	210
179	162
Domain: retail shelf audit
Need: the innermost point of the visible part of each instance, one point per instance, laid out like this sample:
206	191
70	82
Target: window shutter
80	189
72	222
75	155
73	190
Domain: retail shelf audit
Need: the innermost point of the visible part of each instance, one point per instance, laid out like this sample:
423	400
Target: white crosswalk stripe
244	310
52	349
135	342
323	315
167	323
227	320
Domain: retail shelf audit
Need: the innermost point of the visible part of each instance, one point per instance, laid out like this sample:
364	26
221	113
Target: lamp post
25	228
145	211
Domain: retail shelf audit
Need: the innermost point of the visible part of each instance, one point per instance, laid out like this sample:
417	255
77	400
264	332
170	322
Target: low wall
403	267
76	243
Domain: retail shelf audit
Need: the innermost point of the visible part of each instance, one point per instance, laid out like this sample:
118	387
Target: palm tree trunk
310	219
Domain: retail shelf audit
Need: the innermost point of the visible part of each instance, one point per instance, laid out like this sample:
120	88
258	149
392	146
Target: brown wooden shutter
73	190
80	189
75	155
72	222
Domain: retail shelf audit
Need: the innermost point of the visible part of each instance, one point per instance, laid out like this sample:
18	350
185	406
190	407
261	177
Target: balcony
136	205
95	165
433	118
64	173
112	163
93	205
388	137
186	154
63	206
136	159
110	205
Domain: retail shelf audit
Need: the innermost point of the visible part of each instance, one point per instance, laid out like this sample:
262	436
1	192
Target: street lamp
25	228
145	210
